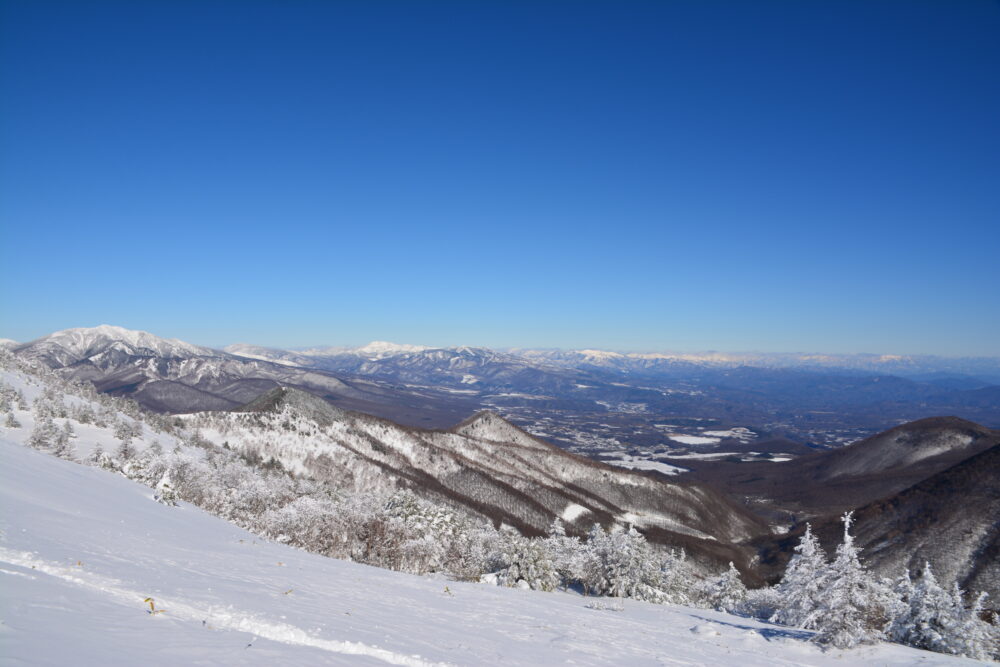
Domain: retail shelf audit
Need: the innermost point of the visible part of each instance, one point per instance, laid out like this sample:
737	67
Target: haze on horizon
687	176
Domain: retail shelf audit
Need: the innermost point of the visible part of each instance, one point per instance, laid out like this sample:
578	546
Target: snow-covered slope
485	465
268	354
82	548
909	445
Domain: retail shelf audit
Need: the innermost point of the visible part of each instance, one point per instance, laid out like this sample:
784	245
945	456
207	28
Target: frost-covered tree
11	421
973	636
850	611
165	492
60	443
926	620
469	552
83	413
44	433
936	619
7	395
622	564
528	565
126	431
677	578
567	554
762	603
727	592
802	586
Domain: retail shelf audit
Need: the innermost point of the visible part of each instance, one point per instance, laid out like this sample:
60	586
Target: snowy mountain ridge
484	465
71	345
81	341
173	376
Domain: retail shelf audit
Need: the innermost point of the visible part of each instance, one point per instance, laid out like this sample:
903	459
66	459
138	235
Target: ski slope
81	548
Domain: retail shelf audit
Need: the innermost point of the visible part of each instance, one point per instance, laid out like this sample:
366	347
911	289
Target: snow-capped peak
83	342
600	354
381	348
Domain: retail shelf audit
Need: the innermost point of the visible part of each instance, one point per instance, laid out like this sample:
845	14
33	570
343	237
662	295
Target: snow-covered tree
727	592
125	431
622	564
567	554
60	443
469	551
528	565
11	421
677	578
802	586
6	397
43	435
938	620
83	413
762	603
850	611
973	637
165	492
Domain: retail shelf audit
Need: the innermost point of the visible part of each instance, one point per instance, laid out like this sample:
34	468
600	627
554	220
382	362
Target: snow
512	394
708	456
379	349
81	548
573	512
599	354
740	433
248	351
641	464
693	439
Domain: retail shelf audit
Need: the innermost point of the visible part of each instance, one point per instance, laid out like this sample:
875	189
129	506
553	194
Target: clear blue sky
786	176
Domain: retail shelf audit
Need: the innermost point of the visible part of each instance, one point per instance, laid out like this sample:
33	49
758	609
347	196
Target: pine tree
566	552
43	435
727	592
801	587
60	443
165	492
677	577
622	564
935	619
972	636
849	612
124	431
11	421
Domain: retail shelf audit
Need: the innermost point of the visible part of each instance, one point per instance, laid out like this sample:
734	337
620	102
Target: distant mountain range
821	400
173	376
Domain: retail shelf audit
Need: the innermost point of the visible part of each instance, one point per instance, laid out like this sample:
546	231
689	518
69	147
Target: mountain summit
105	343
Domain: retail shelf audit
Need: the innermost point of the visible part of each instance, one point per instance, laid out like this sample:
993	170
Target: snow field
81	548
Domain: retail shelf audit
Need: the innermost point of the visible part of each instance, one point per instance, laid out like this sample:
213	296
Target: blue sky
786	176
